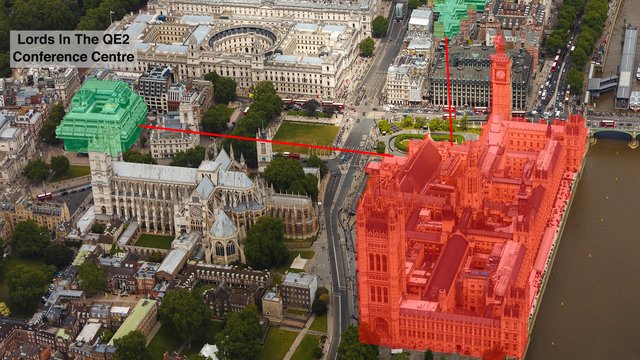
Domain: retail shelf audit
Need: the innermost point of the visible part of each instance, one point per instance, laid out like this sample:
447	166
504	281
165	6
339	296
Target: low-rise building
17	148
298	290
16	207
225	299
166	144
272	306
143	318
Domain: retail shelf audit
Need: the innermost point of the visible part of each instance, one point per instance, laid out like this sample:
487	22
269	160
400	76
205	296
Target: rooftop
140	312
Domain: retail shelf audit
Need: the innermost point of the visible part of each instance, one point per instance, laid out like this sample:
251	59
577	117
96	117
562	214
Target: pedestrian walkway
299	338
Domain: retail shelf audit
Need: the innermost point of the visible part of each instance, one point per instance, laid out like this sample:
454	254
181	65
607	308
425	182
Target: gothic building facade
453	240
218	200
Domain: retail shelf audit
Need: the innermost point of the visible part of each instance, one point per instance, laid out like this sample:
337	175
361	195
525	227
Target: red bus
607	123
300	102
445	109
518	114
480	110
45	196
445	116
554	67
291	155
338	107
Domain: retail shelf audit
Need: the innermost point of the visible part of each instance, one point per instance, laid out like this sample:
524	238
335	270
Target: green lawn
306	347
305	254
297	312
304	133
277	344
319	324
163	341
208	338
155	241
442	137
8	265
74	172
317	114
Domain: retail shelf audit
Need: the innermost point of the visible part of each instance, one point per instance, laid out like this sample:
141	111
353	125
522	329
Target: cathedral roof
160	173
420	168
234	179
205	188
223	227
223	159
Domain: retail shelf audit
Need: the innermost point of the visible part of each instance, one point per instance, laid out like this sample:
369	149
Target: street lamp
110	16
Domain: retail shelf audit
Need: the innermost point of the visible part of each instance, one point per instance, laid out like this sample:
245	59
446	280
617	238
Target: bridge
629	126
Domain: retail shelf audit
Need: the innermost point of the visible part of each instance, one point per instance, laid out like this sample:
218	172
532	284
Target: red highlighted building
453	241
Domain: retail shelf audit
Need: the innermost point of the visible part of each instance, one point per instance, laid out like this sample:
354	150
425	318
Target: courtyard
305	133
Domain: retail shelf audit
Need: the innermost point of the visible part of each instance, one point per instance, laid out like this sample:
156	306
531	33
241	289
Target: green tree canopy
381	147
264	246
216	119
36	170
48	133
315	161
138	157
185	314
414	4
282	172
311	106
59	165
29	239
92	278
350	347
132	346
224	88
98	228
240	338
575	78
27	284
379	26
57	255
367	47
190	158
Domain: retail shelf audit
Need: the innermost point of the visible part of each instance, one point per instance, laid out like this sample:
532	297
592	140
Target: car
375	109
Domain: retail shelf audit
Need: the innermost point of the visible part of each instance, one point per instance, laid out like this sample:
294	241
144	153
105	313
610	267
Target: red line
226	136
446	65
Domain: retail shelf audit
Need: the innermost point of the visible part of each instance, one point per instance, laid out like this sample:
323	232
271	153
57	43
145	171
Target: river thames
591	306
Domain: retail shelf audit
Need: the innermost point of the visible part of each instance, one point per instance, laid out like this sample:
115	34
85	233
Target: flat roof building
623	93
143	318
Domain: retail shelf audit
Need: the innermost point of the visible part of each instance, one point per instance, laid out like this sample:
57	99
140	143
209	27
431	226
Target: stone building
16	207
448	238
470	77
17	148
298	290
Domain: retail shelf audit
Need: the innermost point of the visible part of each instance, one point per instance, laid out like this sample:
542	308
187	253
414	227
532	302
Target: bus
339	107
445	116
45	196
445	109
518	114
554	66
291	155
607	124
557	58
480	110
398	13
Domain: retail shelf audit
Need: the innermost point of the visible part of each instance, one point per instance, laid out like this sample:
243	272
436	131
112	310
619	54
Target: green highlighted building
103	111
450	12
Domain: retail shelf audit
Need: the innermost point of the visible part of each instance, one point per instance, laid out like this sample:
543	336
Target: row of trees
379	26
38	169
216	119
48	130
266	105
138	157
593	14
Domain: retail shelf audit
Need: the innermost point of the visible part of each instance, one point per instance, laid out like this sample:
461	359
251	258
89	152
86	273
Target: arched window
219	249
384	263
371	266
231	248
379	294
386	295
377	262
373	293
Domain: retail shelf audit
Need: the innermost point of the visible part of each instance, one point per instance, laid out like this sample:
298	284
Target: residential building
17	148
143	318
16	207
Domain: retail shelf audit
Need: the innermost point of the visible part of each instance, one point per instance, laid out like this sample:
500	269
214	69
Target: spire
549	130
231	152
206	154
241	159
499	42
215	150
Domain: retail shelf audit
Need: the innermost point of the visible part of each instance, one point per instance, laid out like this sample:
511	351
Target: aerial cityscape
319	179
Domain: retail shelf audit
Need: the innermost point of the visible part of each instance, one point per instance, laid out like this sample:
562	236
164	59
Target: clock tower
500	80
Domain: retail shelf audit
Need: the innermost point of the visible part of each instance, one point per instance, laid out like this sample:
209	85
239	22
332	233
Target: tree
351	348
240	337
311	186
185	314
4	309
190	158
29	239
216	119
575	79
92	278
155	257
36	170
143	141
414	4
315	161
428	355
48	132
106	335
264	246
311	106
57	255
225	90
379	26
319	307
367	46
579	58
138	157
384	126
59	165
381	147
554	42
27	284
132	346
98	228
282	172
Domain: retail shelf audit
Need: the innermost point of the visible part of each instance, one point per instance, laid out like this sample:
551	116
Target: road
337	191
